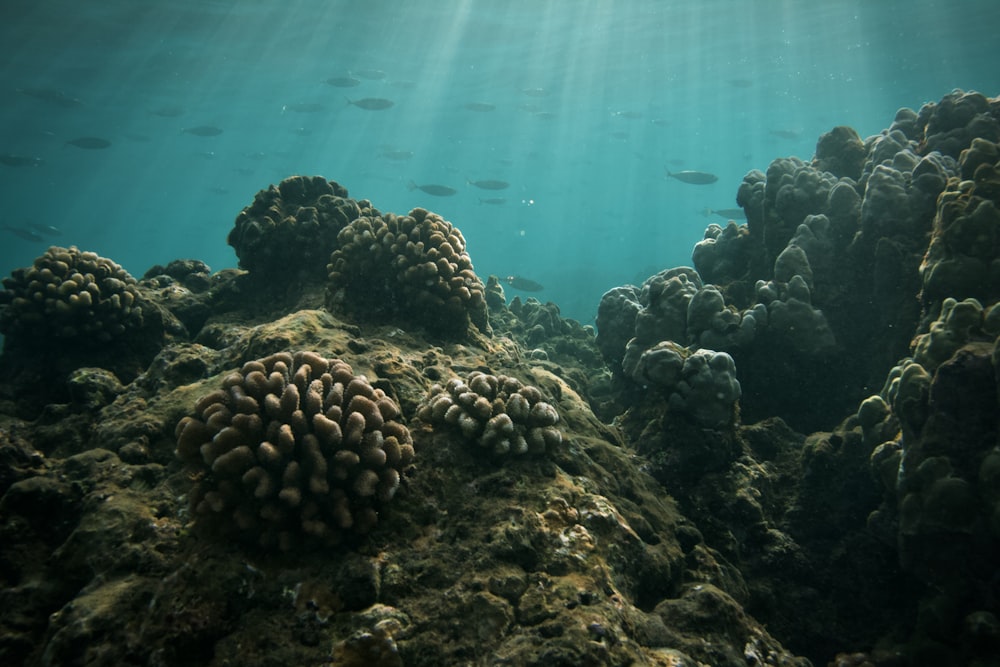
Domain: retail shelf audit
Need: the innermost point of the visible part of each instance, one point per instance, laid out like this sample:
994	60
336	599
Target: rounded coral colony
414	265
294	224
294	446
497	412
69	294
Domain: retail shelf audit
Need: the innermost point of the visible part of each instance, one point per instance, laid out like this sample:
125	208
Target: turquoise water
580	105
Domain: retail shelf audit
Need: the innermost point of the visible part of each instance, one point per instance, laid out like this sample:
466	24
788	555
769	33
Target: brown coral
497	412
293	226
414	266
69	294
292	445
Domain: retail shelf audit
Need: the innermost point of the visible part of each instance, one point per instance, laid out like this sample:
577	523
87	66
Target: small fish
203	131
48	230
139	138
740	83
523	284
660	122
535	92
785	134
23	233
620	135
631	115
216	190
479	106
169	111
397	156
89	143
432	189
493	201
305	107
373	74
693	177
372	103
12	160
343	81
544	115
55	97
727	213
489	184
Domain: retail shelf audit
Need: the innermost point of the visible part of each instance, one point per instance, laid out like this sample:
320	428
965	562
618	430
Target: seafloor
788	454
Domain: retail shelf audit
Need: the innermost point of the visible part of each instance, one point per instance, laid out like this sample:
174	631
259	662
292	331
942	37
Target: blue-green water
580	105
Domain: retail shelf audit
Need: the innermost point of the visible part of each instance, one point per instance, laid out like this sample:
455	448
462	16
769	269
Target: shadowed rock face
689	524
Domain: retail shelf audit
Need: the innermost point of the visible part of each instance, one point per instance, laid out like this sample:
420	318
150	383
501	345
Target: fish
489	184
395	155
89	143
785	134
12	160
535	92
203	131
304	107
479	106
660	122
55	97
727	213
493	201
740	83
343	81
693	177
373	74
629	114
48	230
372	103
432	189
23	233
169	111
523	284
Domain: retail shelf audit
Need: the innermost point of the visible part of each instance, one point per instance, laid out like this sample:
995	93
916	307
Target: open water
580	106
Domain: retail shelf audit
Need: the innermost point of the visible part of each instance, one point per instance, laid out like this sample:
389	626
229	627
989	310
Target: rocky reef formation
785	455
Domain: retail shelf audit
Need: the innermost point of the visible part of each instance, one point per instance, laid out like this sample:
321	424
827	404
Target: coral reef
414	267
288	232
294	444
69	294
498	413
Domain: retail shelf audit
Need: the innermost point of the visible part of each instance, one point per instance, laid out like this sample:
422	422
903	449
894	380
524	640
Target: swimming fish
432	189
343	81
168	111
523	284
395	155
535	92
89	143
23	233
479	106
629	114
48	230
727	213
785	134
372	103
305	107
493	201
373	74
693	177
489	184
740	83
54	97
203	131
12	160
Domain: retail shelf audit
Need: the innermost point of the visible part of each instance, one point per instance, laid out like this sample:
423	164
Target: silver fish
693	177
203	131
343	81
433	189
727	213
489	184
372	103
479	106
12	160
523	284
23	233
304	107
89	143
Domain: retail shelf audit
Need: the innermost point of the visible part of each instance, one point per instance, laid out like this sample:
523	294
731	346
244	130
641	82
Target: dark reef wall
788	454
